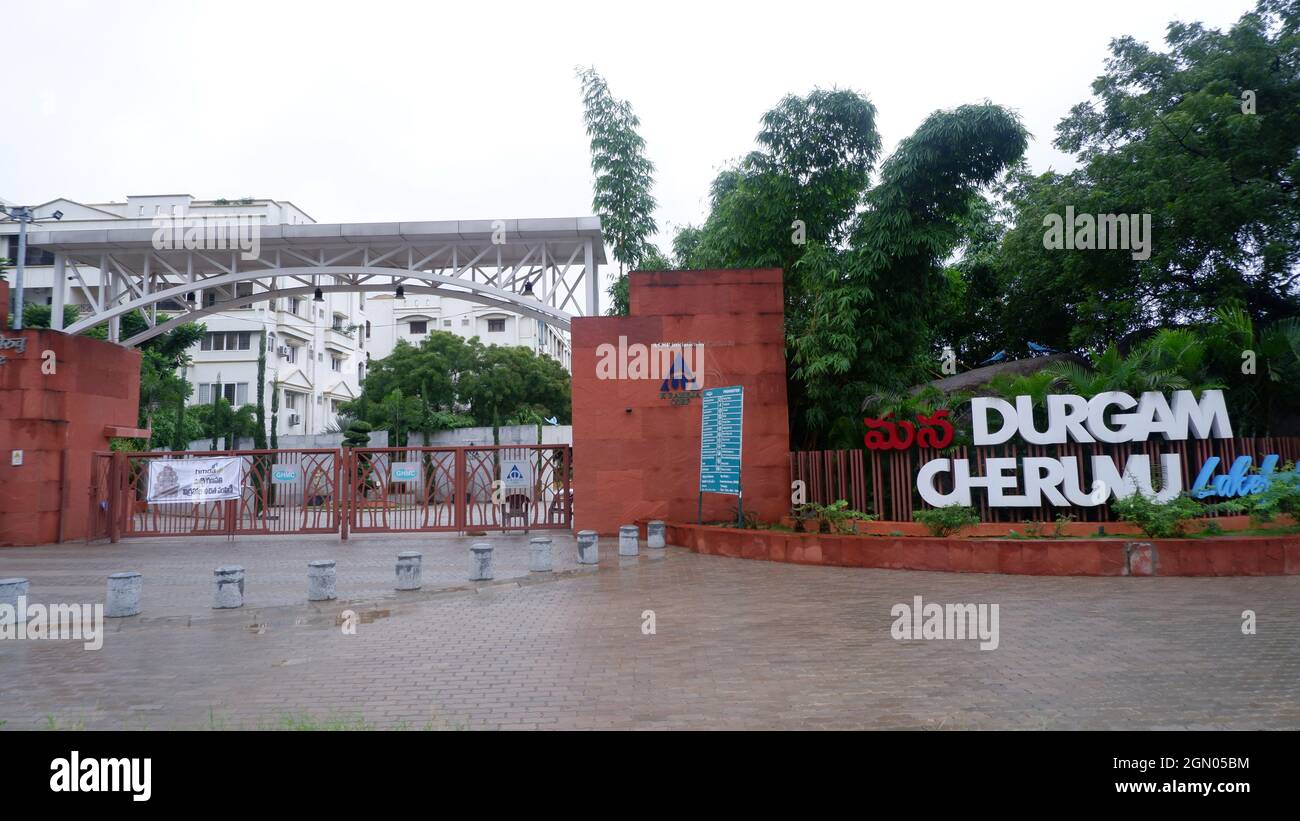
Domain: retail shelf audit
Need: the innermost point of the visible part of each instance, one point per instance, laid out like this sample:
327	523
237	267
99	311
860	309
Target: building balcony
341	338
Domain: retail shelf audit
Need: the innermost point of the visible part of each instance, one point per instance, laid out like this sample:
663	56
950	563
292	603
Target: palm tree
1261	367
1148	367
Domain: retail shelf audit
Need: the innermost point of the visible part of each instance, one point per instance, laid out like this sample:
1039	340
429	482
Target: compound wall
61	399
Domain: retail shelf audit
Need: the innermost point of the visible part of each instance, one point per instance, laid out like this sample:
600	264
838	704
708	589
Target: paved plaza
737	644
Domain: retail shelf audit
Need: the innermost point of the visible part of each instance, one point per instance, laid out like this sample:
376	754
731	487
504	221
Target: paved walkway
738	644
178	572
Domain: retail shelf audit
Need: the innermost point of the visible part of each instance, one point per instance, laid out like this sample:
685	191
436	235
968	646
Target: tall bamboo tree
624	177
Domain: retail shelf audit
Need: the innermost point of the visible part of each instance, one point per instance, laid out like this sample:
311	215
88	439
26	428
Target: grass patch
306	722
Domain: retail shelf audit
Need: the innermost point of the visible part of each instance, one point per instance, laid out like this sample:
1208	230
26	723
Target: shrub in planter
836	517
947	520
1281	496
1159	520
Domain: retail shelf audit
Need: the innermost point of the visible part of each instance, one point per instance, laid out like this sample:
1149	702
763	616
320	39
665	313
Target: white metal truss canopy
490	262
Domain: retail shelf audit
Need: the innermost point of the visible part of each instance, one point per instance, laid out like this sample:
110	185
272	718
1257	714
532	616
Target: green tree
181	432
399	414
508	381
813	164
862	266
275	412
623	177
428	372
864	325
221	421
160	387
259	433
38	316
1203	136
448	382
176	428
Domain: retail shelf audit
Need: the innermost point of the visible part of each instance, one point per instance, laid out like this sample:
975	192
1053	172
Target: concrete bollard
321	578
588	547
123	595
11	589
654	534
230	587
480	569
409	563
539	554
628	543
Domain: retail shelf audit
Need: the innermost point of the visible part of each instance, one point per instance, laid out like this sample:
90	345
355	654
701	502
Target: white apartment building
317	348
390	320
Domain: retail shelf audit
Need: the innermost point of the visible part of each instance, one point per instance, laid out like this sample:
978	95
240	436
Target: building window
361	371
336	364
243	289
295	306
367	329
464	321
35	256
227	341
236	393
290	353
496	326
419	327
291	400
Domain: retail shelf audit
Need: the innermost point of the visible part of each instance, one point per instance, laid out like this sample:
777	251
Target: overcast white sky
371	111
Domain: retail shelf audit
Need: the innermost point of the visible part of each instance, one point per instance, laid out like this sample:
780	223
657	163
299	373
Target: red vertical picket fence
884	482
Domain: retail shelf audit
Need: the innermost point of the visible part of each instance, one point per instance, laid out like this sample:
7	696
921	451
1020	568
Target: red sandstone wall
645	464
95	384
1221	556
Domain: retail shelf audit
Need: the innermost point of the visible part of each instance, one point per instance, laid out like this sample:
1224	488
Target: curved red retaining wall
1219	556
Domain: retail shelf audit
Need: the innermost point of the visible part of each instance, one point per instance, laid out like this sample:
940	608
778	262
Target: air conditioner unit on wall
283	350
293	420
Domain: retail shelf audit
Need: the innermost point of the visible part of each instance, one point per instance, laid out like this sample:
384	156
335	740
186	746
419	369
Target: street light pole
24	217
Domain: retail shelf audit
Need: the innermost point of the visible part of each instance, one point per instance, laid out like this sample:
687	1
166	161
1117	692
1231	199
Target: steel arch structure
545	269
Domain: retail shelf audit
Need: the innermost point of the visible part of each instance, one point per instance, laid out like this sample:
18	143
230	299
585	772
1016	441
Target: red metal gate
322	490
459	489
284	491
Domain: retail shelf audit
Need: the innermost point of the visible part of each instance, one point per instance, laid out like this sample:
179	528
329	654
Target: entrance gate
364	490
459	489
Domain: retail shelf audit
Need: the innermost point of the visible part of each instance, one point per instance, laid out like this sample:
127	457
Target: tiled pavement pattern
739	644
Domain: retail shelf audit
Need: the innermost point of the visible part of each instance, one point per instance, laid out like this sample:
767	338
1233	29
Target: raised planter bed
1210	556
1228	524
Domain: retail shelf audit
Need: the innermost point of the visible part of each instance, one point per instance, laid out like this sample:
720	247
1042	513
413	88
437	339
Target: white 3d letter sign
1111	418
